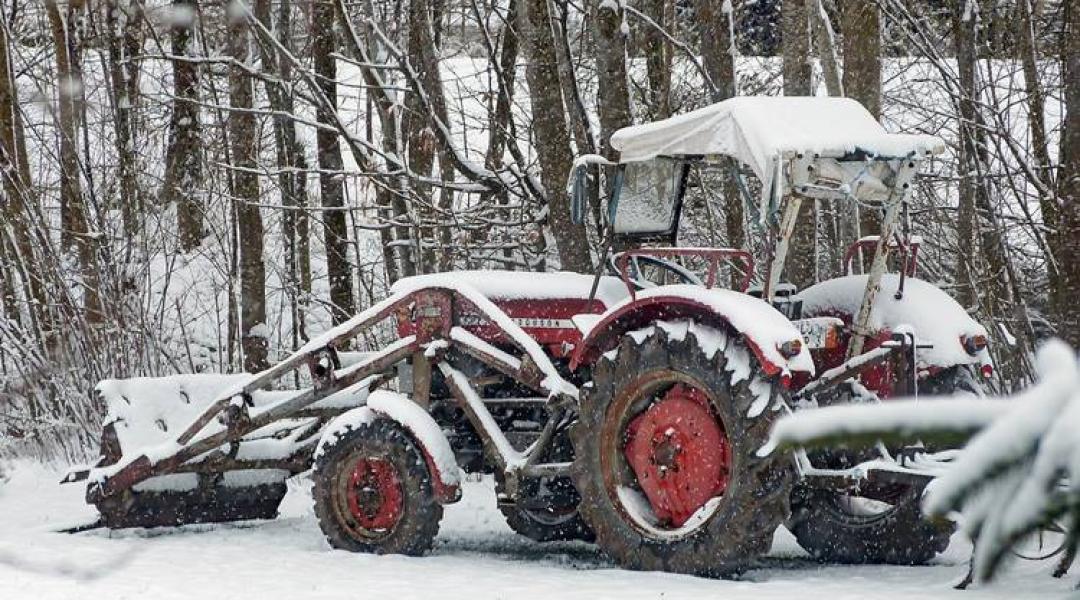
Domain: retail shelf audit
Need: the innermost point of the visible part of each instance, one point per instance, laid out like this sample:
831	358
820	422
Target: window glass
647	198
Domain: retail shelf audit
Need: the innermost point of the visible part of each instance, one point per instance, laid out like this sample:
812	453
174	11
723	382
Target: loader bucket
238	481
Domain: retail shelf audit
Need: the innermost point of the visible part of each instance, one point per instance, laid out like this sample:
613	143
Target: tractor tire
825	525
546	525
734	525
373	492
560	520
958	379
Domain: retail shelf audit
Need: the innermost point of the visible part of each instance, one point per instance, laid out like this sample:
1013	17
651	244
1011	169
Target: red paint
679	453
713	255
558	339
444	493
374	495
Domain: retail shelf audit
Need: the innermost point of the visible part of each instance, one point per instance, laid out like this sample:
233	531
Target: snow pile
524	285
148	414
1020	472
936	318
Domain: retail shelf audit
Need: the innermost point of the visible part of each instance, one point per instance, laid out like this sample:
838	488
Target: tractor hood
935	317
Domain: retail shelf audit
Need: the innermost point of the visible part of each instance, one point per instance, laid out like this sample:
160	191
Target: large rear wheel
666	462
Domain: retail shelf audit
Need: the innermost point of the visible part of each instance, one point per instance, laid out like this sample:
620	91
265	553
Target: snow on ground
476	556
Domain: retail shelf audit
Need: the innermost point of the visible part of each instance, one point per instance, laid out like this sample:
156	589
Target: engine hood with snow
934	316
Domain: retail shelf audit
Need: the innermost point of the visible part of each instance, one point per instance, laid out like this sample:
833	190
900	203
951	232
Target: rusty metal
142	469
421	379
525	372
265	378
712	255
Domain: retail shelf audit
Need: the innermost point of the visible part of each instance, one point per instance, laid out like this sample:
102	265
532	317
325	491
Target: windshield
646	198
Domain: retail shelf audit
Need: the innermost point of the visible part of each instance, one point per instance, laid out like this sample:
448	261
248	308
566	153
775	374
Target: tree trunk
73	216
17	186
421	140
183	157
718	52
1036	100
658	57
243	140
1067	238
551	133
965	26
499	121
825	44
860	25
291	165
798	74
331	185
120	22
613	90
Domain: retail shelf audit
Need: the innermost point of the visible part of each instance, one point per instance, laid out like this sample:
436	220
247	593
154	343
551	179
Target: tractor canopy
828	148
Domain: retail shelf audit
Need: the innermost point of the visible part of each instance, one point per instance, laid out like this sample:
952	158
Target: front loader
627	406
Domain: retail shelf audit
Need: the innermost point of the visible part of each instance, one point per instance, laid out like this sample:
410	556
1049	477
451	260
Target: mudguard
426	433
763	327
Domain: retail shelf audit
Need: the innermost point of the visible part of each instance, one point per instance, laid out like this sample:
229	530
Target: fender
425	432
762	326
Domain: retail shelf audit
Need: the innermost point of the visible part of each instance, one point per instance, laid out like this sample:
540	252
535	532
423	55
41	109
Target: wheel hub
374	494
679	453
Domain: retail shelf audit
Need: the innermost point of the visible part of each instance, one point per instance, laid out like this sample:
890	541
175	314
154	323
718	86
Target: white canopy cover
761	131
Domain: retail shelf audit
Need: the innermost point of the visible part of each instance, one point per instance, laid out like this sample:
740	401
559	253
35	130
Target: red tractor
626	406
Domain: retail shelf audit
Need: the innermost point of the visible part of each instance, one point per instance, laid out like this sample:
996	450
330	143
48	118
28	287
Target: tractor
625	406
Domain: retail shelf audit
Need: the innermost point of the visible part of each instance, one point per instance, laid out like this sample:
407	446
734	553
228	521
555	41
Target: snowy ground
475	557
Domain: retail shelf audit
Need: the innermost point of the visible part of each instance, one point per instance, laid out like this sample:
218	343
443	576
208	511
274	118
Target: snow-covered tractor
627	406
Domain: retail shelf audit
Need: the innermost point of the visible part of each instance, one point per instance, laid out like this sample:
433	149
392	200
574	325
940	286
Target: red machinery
624	409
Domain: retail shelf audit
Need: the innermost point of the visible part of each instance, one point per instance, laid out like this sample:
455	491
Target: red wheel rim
679	453
374	494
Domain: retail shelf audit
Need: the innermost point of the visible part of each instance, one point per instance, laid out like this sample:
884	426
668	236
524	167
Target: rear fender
645	311
425	432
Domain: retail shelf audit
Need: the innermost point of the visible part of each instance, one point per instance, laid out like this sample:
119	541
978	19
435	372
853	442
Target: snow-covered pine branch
1015	475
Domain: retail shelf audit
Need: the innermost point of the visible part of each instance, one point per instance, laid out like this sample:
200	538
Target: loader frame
432	311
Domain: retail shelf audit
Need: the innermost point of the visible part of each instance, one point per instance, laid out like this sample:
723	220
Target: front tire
547	507
373	492
671	390
853	530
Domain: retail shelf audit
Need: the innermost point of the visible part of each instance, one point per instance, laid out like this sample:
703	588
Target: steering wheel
651	271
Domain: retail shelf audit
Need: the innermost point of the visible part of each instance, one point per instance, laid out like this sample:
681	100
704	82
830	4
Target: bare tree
551	132
123	44
331	184
798	79
243	140
183	157
1067	237
74	229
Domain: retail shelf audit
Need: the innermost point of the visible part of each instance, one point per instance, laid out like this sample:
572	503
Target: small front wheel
884	528
373	492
